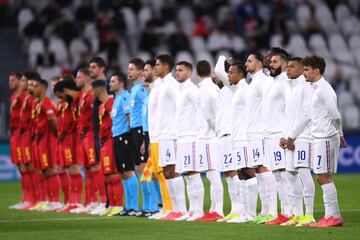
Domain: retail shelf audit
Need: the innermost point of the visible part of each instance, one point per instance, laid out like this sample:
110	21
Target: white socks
234	189
251	196
243	200
261	188
270	190
195	189
177	193
309	189
216	191
295	194
283	190
330	200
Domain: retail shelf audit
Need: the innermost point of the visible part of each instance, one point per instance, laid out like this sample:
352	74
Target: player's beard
68	99
275	72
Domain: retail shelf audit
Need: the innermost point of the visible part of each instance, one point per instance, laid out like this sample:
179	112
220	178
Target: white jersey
273	105
325	116
238	105
152	111
166	112
186	109
297	111
254	122
223	108
207	101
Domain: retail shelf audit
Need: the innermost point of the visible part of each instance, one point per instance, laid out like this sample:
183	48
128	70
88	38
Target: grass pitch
28	225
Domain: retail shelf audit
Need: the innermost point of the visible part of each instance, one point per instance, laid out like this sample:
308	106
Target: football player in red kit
107	157
46	142
17	98
95	183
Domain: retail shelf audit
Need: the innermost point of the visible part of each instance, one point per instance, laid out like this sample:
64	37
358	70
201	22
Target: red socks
115	191
65	186
100	185
53	188
41	187
76	188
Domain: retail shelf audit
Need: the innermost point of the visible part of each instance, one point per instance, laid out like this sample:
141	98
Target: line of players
264	136
50	143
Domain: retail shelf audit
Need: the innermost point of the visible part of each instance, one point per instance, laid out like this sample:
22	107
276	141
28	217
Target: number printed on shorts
201	162
227	159
277	156
256	154
301	155
319	161
168	155
187	160
238	156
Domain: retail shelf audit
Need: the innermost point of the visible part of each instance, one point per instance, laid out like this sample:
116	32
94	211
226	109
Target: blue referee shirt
120	108
137	96
145	115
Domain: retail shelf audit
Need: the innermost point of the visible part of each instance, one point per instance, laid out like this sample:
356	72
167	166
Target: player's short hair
186	64
138	62
69	84
98	61
166	59
98	84
32	75
42	82
258	55
278	51
240	67
67	77
315	62
296	59
151	62
121	77
59	87
282	56
203	68
18	75
84	71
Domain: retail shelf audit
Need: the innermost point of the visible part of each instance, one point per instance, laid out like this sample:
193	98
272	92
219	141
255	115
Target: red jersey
105	121
44	111
85	111
65	119
27	113
17	100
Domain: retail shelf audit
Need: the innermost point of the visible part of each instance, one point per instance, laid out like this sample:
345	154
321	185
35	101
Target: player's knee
323	179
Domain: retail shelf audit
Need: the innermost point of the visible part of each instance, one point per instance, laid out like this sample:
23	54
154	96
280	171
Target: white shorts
206	156
240	153
303	154
225	154
274	154
167	149
185	157
256	153
326	153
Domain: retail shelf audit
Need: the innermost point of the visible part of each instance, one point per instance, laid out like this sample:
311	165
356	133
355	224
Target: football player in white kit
186	132
254	128
206	156
328	138
273	110
297	143
166	125
233	152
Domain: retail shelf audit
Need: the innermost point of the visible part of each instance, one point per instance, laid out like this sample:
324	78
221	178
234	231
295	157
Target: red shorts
15	149
46	152
66	150
34	156
86	150
25	143
107	158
